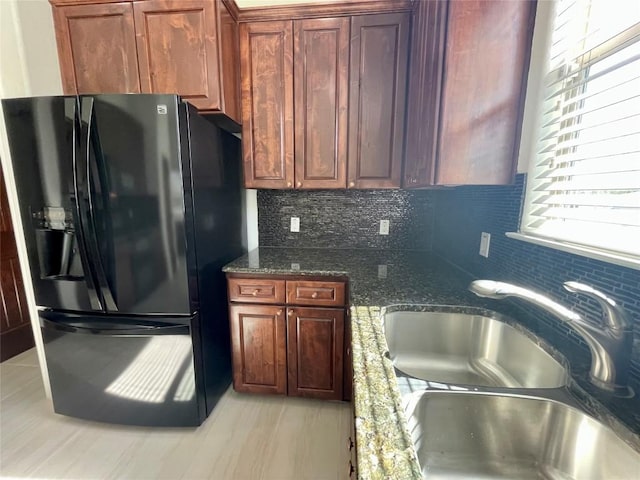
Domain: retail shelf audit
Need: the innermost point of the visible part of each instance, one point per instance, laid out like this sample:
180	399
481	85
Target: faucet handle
615	316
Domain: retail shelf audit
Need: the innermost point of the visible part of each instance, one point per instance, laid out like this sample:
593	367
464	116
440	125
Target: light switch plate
295	224
382	271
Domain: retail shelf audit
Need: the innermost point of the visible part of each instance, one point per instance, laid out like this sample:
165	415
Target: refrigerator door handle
132	330
86	109
71	111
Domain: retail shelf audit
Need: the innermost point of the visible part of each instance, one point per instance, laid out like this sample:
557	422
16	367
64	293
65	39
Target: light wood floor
246	437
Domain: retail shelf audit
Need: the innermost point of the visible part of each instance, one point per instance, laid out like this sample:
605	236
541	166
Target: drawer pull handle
255	292
314	295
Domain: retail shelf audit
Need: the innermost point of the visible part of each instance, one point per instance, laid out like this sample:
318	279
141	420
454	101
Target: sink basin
459	348
480	435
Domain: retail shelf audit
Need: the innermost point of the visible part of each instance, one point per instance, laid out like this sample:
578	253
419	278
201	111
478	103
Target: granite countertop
378	279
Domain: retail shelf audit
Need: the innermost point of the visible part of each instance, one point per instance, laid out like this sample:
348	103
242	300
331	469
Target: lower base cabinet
288	349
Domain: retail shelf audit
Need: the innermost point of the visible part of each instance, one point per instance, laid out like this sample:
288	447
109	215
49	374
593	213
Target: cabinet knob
352	184
255	292
299	184
278	313
289	184
290	312
314	295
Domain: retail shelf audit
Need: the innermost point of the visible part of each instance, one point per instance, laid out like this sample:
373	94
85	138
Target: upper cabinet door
486	64
379	54
97	49
266	65
178	50
321	83
425	86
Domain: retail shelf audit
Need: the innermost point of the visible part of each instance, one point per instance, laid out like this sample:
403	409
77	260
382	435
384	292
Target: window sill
628	261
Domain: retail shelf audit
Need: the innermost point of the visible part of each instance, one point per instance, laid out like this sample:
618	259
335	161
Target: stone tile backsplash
346	218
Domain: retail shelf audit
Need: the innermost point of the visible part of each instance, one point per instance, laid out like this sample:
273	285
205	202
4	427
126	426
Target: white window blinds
583	186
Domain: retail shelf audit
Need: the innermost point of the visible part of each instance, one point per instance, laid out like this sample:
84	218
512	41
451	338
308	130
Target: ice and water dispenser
56	244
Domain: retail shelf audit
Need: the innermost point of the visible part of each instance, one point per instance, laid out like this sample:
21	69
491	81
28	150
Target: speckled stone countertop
377	280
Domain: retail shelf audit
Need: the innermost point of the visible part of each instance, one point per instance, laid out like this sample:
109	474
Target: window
583	185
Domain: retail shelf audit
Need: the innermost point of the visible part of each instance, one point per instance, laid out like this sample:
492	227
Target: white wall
28	67
533	100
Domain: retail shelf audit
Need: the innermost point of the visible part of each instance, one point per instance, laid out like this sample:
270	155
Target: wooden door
266	69
379	55
16	335
486	64
258	343
178	50
321	82
425	86
97	48
315	340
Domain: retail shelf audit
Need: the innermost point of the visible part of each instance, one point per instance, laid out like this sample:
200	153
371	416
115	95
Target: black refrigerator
131	205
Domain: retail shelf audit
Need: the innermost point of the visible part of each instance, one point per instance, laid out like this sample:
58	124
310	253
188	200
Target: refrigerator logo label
162	109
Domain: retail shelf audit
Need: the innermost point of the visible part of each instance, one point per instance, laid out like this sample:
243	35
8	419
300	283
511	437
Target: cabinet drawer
326	294
256	290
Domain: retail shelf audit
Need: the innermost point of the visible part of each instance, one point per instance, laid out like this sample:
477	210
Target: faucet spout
500	290
610	343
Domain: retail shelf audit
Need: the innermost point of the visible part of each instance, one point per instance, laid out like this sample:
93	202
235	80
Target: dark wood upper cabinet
188	47
266	65
324	97
97	48
471	58
377	97
294	103
321	83
425	85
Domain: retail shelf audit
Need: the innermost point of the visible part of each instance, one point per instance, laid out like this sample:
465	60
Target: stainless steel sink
458	348
480	435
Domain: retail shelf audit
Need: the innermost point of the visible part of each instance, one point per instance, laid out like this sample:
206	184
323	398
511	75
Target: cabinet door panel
379	50
315	340
425	86
177	49
266	53
258	339
97	48
321	57
230	66
487	57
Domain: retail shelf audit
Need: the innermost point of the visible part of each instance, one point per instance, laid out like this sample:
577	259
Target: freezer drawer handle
135	330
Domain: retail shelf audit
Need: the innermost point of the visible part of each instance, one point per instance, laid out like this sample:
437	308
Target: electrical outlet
485	240
384	227
295	266
295	224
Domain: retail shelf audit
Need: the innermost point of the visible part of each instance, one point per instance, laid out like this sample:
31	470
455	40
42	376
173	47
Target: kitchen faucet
610	342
